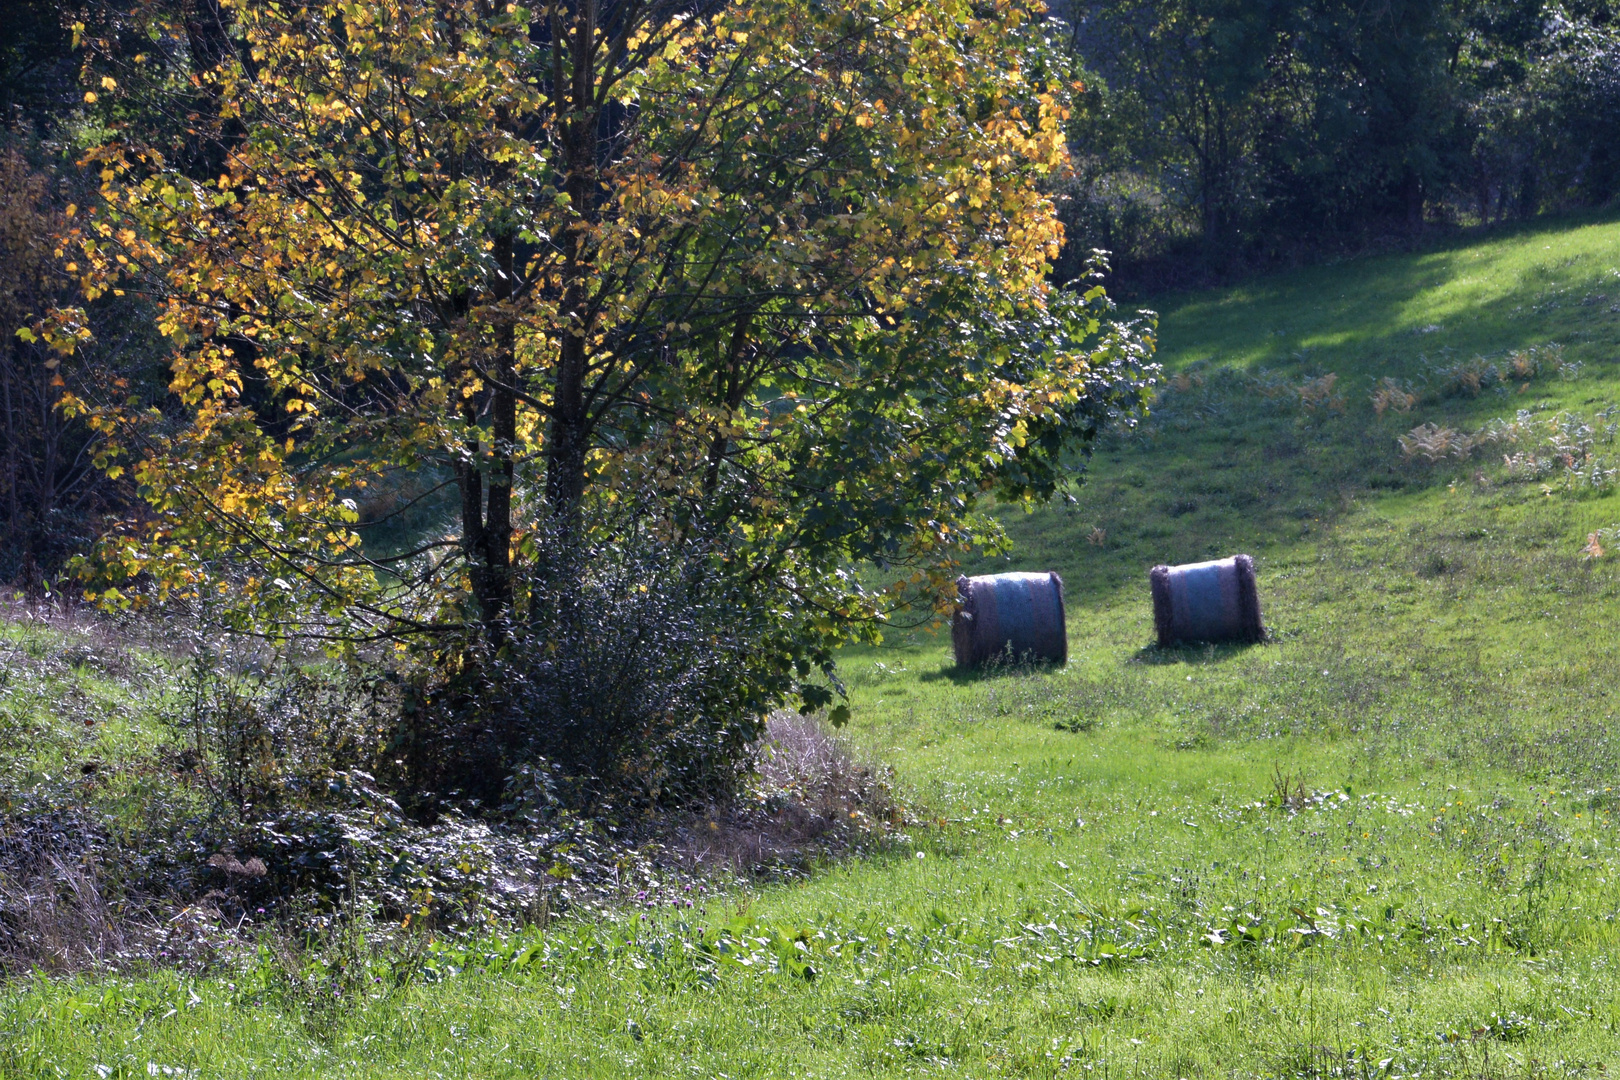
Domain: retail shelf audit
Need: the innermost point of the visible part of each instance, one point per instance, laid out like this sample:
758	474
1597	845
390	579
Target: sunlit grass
1384	844
1506	289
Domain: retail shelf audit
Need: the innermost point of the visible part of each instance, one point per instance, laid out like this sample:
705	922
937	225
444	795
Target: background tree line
1217	136
54	501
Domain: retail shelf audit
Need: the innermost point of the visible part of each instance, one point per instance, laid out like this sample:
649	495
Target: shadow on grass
1473	293
966	676
1201	654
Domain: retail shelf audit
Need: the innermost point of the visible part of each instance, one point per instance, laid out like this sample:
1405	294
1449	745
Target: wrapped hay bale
1022	613
1206	601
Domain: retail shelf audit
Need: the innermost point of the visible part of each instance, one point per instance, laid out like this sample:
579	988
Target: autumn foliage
775	273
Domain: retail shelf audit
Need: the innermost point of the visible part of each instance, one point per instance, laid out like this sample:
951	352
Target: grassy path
1385	845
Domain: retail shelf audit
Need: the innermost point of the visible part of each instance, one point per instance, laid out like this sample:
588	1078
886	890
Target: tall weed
1562	445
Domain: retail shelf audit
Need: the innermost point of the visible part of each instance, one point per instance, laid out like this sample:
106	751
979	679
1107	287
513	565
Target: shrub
260	732
643	665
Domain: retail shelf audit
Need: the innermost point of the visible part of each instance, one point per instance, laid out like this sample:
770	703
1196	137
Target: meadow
1383	844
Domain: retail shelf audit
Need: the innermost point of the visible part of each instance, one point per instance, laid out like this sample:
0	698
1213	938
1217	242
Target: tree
1545	117
778	271
1196	70
1384	81
46	479
36	65
1262	129
53	501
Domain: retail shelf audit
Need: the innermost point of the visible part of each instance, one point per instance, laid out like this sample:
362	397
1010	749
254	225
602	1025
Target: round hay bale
1020	613
1206	601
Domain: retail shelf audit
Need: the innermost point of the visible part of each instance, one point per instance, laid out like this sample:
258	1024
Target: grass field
1384	845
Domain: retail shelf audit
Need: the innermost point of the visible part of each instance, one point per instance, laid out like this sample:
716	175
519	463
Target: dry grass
81	636
1434	443
63	911
1391	395
1320	395
813	798
59	919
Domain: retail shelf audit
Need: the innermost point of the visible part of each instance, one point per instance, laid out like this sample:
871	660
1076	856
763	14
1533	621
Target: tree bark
497	534
1412	195
485	474
578	117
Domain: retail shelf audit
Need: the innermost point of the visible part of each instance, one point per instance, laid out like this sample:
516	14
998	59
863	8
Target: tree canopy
777	273
1228	133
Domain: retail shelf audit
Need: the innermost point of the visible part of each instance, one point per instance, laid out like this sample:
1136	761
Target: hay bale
1020	612
1206	601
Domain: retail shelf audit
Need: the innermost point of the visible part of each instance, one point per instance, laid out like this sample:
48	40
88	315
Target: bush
259	731
642	667
263	789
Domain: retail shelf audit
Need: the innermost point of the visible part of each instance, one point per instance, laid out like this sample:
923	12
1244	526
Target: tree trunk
470	482
578	118
1412	196
208	39
13	436
497	533
565	447
729	392
485	474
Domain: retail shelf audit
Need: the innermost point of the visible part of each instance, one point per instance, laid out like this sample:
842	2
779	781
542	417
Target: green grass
1114	877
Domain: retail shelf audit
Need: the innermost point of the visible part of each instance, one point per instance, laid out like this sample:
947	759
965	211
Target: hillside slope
1383	844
